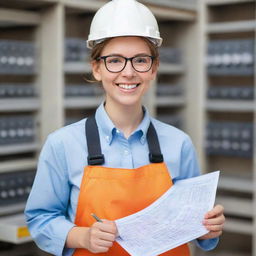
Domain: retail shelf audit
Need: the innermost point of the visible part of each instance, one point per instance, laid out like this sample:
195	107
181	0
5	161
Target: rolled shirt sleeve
207	245
46	209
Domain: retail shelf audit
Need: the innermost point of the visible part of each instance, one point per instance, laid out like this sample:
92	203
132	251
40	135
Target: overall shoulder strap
155	155
95	157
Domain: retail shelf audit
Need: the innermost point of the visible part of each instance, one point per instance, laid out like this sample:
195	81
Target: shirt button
126	152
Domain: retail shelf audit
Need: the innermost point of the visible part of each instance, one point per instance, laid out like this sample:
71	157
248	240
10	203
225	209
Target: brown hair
98	48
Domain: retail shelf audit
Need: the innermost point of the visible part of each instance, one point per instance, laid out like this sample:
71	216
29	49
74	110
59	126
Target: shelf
236	183
170	13
88	5
13	229
77	68
238	226
18	165
18	148
82	102
229	252
230	27
230	105
223	2
173	13
26	4
236	206
170	101
189	5
19	104
10	17
166	68
11	209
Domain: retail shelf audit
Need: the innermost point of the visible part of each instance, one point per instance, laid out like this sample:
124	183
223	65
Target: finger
111	223
217	210
212	235
214	228
214	221
104	243
99	249
107	236
107	227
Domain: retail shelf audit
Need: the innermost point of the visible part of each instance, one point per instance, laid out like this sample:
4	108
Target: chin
130	102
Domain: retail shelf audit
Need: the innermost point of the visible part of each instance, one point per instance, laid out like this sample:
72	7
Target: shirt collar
105	125
143	126
108	130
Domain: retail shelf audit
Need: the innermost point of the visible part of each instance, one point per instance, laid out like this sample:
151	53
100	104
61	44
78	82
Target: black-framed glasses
117	63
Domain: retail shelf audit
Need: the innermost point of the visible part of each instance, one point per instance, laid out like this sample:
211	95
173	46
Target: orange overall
113	193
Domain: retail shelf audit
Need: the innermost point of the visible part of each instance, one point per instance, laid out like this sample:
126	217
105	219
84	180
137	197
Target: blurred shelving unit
57	30
226	123
20	107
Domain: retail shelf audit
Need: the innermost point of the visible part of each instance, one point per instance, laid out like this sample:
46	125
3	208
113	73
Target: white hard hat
123	18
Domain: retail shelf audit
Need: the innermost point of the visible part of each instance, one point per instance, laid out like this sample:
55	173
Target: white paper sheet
174	219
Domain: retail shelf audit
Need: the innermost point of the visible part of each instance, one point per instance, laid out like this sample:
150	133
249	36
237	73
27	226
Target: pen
96	217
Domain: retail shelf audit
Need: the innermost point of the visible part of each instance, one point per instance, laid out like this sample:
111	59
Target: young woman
119	161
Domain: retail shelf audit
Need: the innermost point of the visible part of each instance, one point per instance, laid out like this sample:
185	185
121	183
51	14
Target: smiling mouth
127	86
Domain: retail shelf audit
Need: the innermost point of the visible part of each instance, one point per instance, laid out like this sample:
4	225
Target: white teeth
127	87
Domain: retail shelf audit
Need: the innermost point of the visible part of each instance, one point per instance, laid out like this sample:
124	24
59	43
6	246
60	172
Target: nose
128	71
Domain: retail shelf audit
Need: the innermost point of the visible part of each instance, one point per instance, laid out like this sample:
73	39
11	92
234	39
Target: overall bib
113	193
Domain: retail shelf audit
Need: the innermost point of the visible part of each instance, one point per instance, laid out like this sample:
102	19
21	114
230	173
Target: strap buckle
96	160
156	158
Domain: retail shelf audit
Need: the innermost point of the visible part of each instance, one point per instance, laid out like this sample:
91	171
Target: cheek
108	79
148	78
147	85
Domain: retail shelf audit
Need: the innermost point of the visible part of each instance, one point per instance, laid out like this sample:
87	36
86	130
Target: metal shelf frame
230	106
9	17
82	102
18	165
170	101
225	2
19	104
236	183
171	69
19	148
231	27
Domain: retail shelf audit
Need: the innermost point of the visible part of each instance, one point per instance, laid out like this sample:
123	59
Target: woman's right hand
97	238
101	236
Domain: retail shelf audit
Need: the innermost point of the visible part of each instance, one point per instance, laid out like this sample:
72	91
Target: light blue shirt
51	207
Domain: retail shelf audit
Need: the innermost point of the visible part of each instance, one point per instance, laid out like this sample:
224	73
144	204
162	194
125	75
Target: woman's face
126	87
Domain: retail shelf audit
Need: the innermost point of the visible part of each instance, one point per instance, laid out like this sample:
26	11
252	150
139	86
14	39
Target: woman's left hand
214	222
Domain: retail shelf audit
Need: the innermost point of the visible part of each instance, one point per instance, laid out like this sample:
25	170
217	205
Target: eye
114	59
141	60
